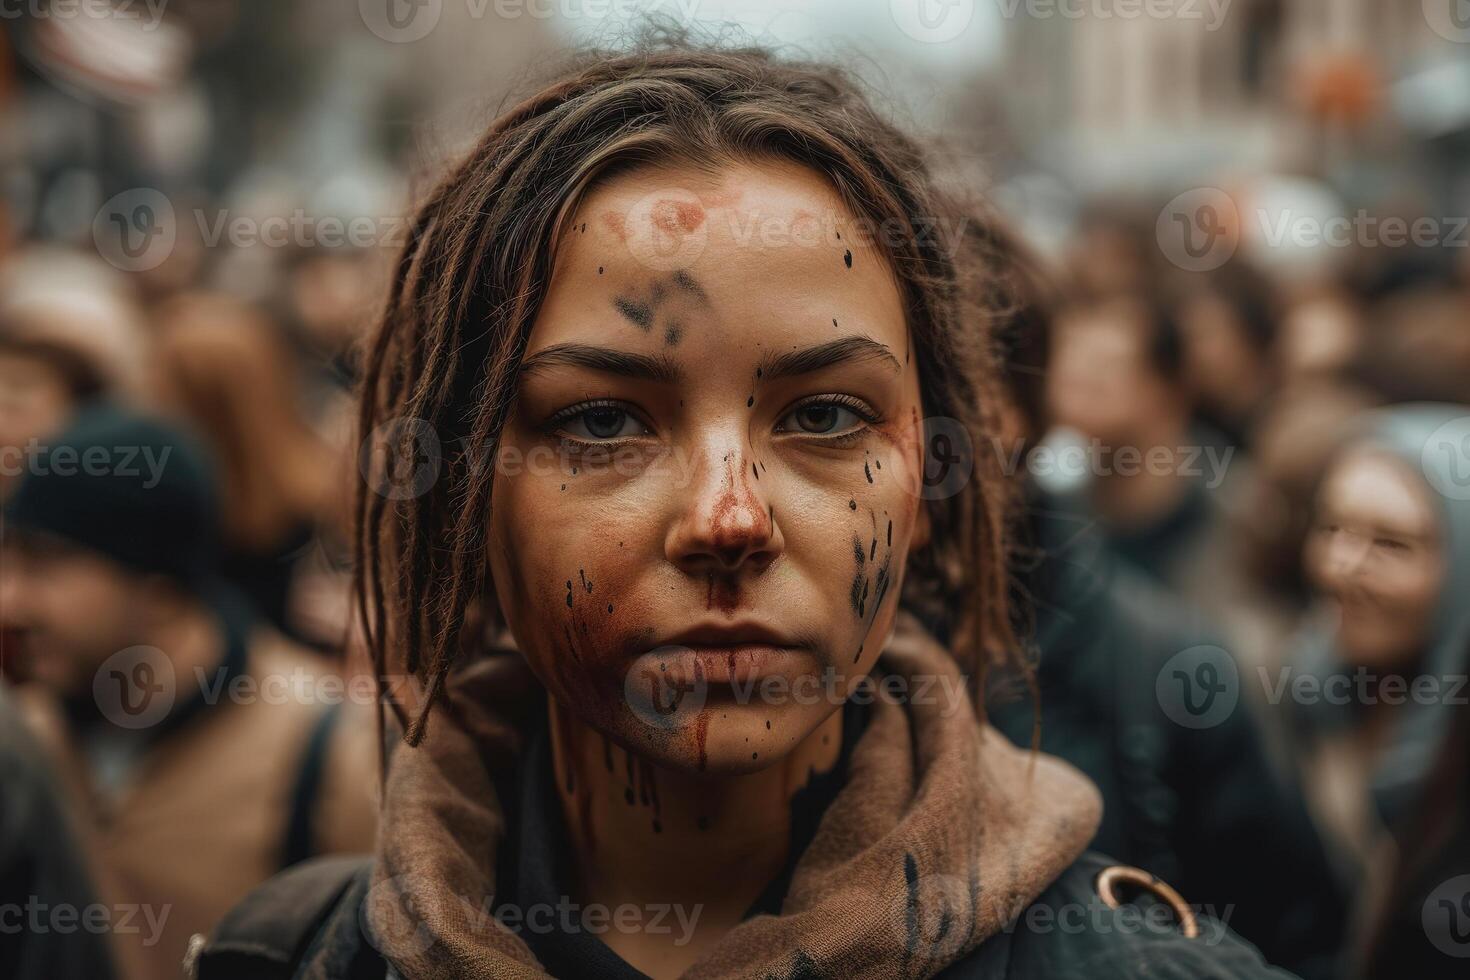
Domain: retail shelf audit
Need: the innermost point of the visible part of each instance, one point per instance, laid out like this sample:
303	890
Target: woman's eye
603	422
820	418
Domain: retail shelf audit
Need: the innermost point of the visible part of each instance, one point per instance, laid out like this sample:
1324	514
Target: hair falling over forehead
476	268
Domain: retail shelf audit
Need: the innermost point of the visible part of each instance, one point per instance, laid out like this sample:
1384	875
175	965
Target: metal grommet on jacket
197	942
1110	879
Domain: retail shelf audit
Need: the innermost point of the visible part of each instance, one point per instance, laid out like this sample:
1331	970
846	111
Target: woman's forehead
762	253
1370	484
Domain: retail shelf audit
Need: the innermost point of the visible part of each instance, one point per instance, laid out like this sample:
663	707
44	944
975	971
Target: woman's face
1376	550
706	489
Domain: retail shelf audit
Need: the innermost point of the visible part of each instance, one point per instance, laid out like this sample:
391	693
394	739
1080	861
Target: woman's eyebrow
815	358
651	367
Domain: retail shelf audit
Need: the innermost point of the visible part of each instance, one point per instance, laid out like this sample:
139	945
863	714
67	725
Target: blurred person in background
1108	253
198	755
1294	438
48	923
1229	333
1321	332
1418	347
70	330
1157	481
222	366
1386	662
1202	808
331	295
42	381
1421	925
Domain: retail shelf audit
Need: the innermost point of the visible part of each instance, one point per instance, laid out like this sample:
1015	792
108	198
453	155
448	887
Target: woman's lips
740	664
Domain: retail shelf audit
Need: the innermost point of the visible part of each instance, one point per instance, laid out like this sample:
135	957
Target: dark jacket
306	923
41	872
1201	807
309	923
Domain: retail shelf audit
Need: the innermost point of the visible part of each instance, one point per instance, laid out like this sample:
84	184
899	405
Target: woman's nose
727	524
1347	551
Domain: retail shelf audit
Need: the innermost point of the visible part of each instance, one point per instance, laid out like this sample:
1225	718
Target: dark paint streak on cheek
859	578
868	472
847	257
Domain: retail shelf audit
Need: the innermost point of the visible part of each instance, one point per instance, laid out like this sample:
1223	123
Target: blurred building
1112	102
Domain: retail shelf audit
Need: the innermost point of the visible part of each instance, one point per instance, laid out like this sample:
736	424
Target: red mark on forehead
614	222
672	216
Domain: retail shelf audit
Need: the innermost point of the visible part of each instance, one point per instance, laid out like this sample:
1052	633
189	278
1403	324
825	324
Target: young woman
664	347
1391	555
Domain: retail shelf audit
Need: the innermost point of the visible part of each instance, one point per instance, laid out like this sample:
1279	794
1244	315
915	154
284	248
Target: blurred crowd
1244	551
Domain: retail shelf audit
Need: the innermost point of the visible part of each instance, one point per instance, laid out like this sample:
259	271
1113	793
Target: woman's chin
725	741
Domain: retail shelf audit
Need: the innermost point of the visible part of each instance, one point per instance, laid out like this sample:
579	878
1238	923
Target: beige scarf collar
943	833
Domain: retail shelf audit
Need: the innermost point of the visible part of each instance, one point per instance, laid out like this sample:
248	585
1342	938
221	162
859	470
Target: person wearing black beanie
203	752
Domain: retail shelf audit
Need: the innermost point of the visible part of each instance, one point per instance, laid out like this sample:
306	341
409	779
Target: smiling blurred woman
655	372
1390	553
